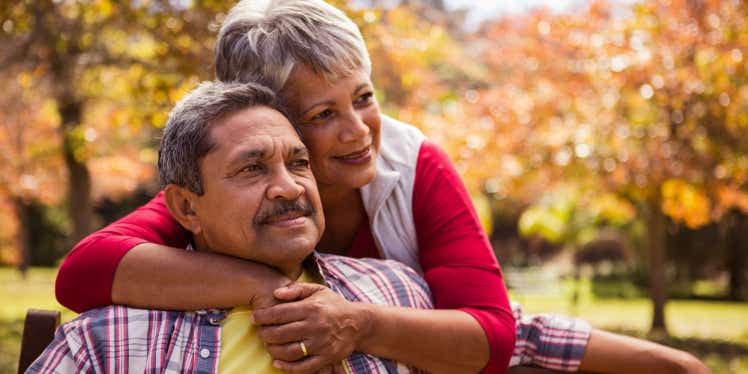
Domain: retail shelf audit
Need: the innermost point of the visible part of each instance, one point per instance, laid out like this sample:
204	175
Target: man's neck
290	271
293	273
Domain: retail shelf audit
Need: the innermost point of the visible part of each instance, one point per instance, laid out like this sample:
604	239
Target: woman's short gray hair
186	138
262	40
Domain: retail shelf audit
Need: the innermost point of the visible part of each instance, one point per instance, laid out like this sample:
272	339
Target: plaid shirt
551	341
119	339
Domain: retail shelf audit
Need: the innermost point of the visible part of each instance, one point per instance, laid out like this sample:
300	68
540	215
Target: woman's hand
329	326
267	282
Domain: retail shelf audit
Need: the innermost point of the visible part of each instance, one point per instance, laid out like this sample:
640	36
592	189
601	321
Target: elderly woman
387	192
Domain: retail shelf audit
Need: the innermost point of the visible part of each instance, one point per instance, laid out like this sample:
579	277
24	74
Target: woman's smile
357	157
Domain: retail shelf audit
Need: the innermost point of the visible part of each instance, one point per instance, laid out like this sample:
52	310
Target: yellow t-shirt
242	350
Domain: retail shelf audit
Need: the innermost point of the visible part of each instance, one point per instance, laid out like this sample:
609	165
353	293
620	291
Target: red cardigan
458	263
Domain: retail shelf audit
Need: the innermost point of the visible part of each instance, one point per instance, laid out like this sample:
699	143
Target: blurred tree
649	106
677	73
30	166
140	55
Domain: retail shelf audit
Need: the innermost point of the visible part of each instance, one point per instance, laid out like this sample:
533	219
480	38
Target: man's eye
327	113
254	168
301	163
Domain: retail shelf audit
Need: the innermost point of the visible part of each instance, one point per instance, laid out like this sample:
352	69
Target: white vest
388	199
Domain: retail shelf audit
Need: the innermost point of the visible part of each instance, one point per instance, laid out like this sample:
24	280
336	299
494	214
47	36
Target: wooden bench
38	331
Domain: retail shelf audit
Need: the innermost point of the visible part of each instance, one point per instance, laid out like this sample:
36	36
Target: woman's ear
181	203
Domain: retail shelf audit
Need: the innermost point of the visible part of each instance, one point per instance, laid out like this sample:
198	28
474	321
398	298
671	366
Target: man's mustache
284	207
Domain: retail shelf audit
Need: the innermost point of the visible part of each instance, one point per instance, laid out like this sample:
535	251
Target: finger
310	364
283	334
291	292
327	370
339	369
281	313
297	291
287	352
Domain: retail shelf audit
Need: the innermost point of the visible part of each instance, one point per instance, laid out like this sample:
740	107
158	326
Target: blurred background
604	143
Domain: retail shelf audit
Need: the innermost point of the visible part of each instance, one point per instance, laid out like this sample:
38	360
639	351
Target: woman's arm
332	327
456	257
140	261
461	270
437	341
159	277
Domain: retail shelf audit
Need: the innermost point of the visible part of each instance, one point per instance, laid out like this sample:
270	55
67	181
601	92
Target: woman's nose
354	128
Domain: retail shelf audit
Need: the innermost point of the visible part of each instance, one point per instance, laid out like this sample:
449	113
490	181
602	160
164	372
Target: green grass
717	332
684	318
35	291
18	295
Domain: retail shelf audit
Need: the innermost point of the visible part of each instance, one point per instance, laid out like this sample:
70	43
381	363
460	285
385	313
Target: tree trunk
64	61
657	281
80	207
737	253
23	236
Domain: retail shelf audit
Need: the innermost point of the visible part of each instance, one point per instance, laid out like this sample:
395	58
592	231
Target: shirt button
205	353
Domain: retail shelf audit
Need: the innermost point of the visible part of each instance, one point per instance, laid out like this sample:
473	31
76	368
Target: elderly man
237	176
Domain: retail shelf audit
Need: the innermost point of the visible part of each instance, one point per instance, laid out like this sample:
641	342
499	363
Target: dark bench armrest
38	331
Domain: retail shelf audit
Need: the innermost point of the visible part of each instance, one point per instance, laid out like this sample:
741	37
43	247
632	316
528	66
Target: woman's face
340	123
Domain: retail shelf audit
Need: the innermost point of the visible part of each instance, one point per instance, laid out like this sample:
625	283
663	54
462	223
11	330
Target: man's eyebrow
299	151
253	153
248	155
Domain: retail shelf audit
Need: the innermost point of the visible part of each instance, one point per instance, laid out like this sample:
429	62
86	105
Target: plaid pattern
118	339
380	282
551	341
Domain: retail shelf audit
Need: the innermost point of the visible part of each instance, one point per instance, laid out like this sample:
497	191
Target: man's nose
284	186
354	128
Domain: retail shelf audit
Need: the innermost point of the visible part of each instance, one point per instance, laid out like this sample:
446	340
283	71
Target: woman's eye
365	98
327	113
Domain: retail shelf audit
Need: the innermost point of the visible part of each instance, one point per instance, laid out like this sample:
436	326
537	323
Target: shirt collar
314	266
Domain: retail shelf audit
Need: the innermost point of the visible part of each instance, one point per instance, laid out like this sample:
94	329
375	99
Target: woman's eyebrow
360	87
326	102
331	102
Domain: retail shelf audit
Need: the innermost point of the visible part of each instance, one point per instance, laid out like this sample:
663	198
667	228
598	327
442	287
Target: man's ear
181	203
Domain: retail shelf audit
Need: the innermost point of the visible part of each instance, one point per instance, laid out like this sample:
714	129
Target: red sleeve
457	260
85	278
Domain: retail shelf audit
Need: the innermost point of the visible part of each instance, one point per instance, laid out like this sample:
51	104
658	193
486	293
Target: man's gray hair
186	138
262	40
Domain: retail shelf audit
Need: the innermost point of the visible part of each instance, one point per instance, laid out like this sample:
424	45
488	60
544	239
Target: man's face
260	198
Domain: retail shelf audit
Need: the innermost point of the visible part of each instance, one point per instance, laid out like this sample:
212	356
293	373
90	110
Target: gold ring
303	349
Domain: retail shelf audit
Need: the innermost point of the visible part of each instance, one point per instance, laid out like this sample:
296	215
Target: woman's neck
335	199
344	215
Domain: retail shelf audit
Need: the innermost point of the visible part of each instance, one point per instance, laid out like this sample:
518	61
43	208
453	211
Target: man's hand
329	326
